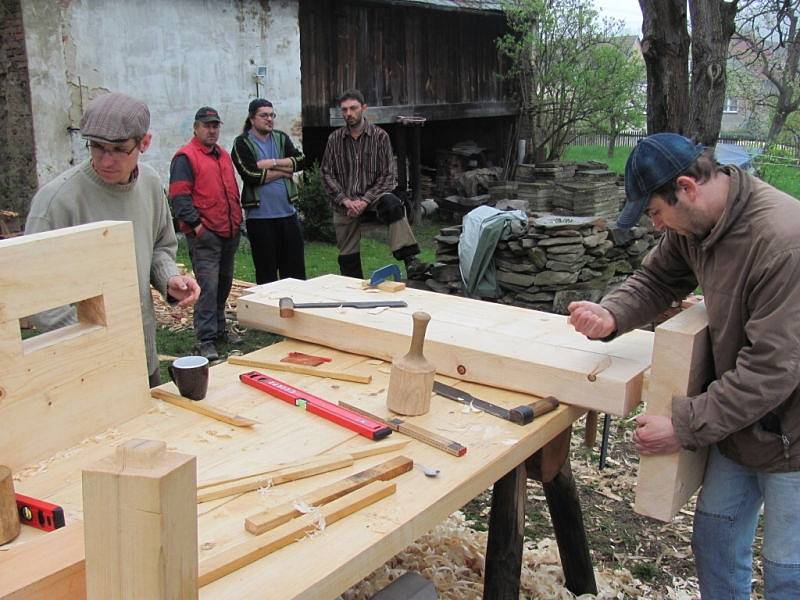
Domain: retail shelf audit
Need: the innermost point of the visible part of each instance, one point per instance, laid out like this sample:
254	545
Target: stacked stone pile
445	273
558	260
561	259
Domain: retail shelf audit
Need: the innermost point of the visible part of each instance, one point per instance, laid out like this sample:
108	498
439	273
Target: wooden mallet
411	378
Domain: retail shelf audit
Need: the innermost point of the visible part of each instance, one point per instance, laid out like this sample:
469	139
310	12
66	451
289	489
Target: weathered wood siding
398	56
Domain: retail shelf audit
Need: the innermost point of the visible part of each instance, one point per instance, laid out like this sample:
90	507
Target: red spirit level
315	405
39	514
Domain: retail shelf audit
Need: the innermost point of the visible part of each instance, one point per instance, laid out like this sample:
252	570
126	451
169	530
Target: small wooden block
384	286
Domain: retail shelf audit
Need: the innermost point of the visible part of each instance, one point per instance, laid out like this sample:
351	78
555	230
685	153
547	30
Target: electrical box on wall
261	73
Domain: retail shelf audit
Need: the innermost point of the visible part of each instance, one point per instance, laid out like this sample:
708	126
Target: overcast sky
624	10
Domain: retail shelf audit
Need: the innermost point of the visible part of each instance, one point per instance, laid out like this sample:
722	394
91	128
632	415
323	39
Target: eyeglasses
268	116
117	153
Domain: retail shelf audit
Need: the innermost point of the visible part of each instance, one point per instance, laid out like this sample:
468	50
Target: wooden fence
630	138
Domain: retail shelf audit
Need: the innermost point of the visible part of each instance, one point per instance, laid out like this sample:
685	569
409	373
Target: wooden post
402	177
140	524
416	170
565	512
9	517
506	530
682	365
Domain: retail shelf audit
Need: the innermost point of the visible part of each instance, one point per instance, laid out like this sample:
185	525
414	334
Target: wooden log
682	365
50	566
300	369
411	378
506	531
573	546
9	517
201	408
141	524
502	346
278	515
322	464
247	552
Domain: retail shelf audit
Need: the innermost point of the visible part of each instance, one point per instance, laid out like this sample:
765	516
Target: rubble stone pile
558	260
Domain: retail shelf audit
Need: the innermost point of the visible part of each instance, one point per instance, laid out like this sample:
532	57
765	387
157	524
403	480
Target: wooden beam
140	523
432	112
681	366
50	566
243	554
502	346
76	381
278	515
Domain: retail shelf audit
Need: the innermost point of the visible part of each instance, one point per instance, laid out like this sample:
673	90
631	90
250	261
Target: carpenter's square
521	415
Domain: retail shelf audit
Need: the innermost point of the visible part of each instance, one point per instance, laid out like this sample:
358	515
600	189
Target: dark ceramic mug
190	374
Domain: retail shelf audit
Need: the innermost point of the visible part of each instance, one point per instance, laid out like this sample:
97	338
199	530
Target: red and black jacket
203	189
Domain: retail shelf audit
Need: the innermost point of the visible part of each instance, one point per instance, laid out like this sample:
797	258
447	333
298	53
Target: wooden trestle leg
551	466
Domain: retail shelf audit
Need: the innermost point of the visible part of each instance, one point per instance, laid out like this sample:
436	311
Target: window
731	105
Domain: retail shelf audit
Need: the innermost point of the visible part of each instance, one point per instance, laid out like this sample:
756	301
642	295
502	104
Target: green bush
314	207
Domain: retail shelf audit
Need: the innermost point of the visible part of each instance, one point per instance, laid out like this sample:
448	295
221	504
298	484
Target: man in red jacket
204	197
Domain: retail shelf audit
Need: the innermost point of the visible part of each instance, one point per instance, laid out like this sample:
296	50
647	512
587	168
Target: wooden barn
434	59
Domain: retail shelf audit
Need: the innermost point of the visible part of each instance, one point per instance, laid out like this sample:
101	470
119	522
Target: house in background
432	58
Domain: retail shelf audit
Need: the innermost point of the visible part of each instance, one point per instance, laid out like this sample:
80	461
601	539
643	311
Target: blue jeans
725	524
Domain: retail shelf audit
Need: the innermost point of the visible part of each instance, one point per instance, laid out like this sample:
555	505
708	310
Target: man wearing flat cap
112	185
737	238
205	200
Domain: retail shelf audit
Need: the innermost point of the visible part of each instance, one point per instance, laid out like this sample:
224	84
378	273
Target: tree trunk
775	128
612	143
665	46
712	27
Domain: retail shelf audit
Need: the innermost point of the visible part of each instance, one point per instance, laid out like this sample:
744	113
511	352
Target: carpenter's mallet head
286	308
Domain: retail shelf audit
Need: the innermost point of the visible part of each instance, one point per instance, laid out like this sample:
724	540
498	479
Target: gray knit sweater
79	196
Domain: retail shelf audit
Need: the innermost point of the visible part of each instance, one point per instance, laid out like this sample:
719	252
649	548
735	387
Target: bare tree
665	47
768	45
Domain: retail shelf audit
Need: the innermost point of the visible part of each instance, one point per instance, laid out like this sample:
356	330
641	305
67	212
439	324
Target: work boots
208	350
415	268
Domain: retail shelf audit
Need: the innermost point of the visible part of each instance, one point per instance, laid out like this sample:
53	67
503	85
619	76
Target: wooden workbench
348	550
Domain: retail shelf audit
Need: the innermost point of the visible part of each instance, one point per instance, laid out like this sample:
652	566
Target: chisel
521	415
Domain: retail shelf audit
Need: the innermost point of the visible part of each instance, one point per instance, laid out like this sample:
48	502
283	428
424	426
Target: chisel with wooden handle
521	415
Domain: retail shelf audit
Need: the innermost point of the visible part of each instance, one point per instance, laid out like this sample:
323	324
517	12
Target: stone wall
17	178
560	259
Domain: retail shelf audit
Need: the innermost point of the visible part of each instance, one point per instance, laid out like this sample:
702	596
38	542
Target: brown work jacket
749	269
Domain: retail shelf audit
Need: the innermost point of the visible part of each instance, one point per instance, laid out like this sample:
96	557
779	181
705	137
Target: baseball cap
207	115
115	117
655	160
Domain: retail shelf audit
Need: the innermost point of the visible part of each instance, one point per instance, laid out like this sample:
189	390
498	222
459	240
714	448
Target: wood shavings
216	434
377	310
375	362
264	490
470	408
207	546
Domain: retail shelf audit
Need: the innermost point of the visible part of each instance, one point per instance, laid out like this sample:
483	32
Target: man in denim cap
737	238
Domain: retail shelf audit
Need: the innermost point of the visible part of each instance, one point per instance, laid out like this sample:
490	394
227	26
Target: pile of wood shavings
452	557
177	319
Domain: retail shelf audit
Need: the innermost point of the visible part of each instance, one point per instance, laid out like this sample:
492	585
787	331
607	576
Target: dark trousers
212	260
277	246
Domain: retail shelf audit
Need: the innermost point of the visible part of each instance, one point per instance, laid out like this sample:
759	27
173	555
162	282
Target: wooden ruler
202	408
413	431
300	369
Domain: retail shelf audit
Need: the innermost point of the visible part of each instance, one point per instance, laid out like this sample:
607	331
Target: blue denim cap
656	160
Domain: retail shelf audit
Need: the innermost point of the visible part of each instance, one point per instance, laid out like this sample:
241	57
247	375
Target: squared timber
503	346
682	365
77	381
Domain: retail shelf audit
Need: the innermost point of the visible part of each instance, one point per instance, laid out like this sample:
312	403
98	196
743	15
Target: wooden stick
278	515
300	369
371	450
322	465
251	550
413	431
204	409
